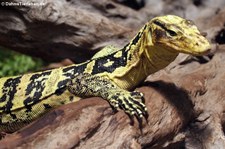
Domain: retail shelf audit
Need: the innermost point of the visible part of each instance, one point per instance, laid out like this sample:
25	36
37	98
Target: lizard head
178	34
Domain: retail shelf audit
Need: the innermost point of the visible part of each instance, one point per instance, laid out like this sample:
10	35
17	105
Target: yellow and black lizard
110	74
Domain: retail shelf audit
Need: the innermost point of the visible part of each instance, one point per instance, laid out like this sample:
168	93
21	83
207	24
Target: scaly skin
109	74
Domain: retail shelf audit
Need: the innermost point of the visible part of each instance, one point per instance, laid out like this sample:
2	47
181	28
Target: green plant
13	63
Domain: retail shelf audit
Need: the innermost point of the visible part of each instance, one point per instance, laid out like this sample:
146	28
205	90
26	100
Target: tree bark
185	110
76	29
58	29
185	101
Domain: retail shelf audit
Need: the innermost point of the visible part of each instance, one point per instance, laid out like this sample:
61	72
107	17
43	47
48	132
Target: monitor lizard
111	73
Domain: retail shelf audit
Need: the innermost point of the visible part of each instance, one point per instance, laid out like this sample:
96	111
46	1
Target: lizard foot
130	102
87	85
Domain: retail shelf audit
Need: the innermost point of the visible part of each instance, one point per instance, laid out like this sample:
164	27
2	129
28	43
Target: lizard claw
131	103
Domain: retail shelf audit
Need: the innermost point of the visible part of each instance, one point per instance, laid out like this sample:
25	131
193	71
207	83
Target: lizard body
109	74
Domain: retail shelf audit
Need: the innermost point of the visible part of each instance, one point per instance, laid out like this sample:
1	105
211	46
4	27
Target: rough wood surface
185	110
185	101
57	30
76	29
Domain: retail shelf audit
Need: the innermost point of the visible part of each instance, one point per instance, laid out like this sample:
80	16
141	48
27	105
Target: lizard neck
136	61
157	58
146	58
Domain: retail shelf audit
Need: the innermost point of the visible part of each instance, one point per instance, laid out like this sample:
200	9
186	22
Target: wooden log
54	30
184	110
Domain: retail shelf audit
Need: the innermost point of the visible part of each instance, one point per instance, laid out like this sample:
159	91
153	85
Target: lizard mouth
205	52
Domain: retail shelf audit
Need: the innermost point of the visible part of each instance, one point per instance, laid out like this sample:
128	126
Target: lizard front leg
87	85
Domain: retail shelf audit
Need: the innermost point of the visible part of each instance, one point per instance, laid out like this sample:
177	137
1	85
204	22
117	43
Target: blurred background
35	35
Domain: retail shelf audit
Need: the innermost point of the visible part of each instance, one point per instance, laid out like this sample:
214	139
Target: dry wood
185	102
185	110
58	29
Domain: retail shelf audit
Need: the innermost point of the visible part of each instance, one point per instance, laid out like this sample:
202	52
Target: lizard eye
172	33
163	26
